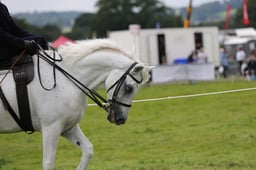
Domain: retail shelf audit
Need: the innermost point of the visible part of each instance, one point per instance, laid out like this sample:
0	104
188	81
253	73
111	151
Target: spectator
224	62
251	65
192	57
240	58
202	57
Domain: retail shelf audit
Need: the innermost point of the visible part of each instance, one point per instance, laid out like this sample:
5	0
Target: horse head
123	77
121	92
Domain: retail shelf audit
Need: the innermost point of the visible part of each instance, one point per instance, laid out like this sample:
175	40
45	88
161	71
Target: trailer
165	46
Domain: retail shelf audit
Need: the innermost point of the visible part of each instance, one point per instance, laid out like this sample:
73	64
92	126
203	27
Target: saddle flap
23	72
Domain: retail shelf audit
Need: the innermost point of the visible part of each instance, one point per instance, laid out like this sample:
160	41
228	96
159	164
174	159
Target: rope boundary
188	96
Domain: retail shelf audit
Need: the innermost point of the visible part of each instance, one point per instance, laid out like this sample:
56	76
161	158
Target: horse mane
75	51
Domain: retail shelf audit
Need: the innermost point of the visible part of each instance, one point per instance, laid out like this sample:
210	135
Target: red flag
228	16
245	13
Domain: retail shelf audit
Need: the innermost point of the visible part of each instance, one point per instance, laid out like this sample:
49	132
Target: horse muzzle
116	117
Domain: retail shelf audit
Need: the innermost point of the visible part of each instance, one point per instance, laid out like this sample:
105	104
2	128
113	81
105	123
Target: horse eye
128	88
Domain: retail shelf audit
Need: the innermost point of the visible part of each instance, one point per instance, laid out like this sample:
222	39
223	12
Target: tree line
119	14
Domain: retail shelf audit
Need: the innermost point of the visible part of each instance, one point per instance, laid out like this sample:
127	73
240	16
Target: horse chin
112	118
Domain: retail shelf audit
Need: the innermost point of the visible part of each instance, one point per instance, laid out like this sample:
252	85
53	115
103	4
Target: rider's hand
30	47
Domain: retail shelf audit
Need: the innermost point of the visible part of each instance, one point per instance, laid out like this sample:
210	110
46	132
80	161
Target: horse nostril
120	121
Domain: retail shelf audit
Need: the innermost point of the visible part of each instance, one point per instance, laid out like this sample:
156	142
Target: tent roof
236	40
246	32
61	40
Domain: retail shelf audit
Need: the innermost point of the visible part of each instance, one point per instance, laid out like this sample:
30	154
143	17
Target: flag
228	16
245	13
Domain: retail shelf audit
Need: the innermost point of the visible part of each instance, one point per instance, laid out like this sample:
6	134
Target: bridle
119	84
92	94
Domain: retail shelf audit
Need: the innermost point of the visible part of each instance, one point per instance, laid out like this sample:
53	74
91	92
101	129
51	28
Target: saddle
23	74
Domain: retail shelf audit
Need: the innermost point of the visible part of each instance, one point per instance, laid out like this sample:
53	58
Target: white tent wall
179	42
211	39
123	38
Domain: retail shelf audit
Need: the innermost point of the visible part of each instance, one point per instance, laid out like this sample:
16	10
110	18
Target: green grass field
198	133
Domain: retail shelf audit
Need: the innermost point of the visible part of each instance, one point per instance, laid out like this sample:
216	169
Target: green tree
26	26
49	32
113	15
82	27
118	14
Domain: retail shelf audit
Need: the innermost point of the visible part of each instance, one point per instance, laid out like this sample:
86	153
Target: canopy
61	41
246	32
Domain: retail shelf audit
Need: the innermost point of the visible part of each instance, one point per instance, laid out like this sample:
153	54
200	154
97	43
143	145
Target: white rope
190	95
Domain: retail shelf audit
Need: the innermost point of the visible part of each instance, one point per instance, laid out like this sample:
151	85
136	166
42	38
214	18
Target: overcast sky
77	5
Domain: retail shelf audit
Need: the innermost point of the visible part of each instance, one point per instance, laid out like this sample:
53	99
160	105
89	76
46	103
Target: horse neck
93	69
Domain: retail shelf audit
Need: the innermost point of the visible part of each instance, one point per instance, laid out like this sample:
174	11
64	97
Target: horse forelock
76	51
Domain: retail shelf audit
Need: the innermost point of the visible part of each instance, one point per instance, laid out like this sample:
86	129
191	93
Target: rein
53	60
92	94
13	64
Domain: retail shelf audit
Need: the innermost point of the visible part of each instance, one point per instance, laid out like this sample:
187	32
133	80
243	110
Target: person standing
240	58
13	39
251	65
192	57
224	62
202	57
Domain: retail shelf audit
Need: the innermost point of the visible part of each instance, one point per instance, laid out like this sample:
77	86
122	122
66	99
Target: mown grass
207	132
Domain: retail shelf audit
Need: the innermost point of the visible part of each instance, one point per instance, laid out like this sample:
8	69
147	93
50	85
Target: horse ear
138	69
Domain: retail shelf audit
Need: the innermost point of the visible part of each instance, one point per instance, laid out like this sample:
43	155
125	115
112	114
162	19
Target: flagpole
189	11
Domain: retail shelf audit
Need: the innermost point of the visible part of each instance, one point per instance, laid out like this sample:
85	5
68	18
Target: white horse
58	112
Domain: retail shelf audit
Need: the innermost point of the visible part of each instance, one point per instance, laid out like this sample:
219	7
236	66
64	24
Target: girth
23	73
